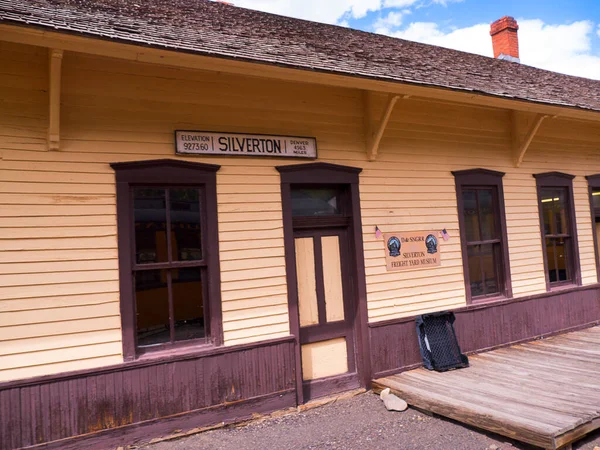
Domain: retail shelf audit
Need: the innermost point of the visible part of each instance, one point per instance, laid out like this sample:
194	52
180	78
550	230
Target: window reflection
150	216
185	224
315	201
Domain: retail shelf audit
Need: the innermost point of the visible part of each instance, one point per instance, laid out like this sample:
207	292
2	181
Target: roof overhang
44	37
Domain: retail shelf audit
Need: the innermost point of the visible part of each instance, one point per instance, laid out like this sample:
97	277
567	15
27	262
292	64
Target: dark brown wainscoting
137	401
394	345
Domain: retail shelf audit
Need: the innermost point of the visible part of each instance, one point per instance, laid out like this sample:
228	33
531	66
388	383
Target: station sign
235	144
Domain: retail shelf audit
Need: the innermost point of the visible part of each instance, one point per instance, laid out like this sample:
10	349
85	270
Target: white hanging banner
234	144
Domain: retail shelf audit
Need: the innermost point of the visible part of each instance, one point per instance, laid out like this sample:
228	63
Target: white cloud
598	32
327	11
332	11
392	20
560	48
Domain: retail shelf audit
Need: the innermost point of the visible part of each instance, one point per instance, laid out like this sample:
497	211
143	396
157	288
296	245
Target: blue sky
558	35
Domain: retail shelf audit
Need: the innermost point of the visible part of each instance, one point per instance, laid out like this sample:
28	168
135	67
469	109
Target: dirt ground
360	422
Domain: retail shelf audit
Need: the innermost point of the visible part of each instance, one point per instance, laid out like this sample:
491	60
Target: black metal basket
438	343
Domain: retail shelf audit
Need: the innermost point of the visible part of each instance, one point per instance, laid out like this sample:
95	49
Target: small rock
493	447
392	402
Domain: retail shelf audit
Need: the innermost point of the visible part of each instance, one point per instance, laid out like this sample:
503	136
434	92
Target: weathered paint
394	345
59	286
63	406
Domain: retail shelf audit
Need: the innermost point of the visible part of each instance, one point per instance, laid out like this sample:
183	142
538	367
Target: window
483	234
594	190
168	255
559	233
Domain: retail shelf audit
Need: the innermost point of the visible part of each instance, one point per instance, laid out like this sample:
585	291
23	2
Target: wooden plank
529	431
332	278
307	288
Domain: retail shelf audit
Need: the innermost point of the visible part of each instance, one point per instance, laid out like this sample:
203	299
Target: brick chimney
505	39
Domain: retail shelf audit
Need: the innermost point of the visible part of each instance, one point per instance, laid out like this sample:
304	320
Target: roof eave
69	40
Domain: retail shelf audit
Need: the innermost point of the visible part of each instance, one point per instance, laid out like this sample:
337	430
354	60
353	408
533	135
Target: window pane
482	269
187	304
471	217
488	263
475	278
554	210
185	224
596	200
486	214
152	307
315	201
150	217
556	252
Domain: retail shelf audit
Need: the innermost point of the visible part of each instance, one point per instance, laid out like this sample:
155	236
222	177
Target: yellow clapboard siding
59	266
28	346
35	291
61	355
57	232
57	255
48	369
22	304
56	328
59	314
58	209
58	277
250	334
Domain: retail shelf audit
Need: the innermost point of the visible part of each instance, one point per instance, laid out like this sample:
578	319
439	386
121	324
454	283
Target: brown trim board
394	345
159	396
167	172
594	183
326	173
560	180
484	178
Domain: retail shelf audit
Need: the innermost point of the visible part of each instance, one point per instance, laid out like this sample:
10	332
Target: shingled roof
216	29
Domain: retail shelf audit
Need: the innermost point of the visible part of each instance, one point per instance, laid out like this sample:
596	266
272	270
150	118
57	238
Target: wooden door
326	308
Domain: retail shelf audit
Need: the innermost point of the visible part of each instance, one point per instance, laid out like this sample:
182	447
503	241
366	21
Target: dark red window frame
167	173
594	185
485	179
563	181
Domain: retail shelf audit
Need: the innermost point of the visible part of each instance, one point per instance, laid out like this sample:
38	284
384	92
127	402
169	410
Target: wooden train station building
208	212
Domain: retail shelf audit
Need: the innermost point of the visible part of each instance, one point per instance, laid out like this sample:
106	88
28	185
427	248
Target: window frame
594	183
167	173
484	178
560	180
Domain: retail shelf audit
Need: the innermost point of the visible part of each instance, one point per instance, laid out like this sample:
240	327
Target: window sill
487	300
191	349
562	287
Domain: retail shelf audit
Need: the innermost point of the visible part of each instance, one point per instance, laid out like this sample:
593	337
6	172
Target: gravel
360	422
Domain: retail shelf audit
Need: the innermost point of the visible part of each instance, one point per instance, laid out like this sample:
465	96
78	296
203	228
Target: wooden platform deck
545	393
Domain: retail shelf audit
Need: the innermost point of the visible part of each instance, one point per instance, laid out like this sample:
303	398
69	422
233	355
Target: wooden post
374	135
520	147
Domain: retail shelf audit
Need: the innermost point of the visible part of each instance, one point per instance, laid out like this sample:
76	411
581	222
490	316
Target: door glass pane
185	224
150	217
471	217
315	201
152	307
187	303
486	214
